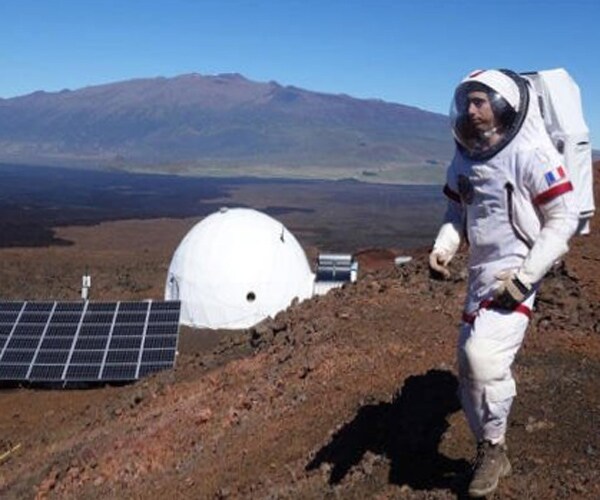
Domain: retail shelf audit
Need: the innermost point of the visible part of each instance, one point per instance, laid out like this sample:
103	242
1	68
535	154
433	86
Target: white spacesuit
512	200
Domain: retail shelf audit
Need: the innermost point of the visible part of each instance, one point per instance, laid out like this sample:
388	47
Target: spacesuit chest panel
483	193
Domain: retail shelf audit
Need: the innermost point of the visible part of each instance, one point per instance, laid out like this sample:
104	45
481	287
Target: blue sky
411	52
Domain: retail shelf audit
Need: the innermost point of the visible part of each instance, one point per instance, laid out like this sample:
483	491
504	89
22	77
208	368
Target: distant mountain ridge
225	125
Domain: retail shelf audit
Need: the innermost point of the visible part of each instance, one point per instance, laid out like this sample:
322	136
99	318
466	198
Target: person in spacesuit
512	201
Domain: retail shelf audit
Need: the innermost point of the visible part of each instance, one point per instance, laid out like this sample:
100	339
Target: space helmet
487	112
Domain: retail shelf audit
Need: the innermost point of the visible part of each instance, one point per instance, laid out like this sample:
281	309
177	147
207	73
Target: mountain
223	125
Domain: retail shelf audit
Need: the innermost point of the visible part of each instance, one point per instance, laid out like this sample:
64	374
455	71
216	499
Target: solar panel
86	341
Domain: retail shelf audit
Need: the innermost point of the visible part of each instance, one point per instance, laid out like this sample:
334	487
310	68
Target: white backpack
560	104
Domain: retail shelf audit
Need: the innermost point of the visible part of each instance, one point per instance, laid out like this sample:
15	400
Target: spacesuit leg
486	351
468	390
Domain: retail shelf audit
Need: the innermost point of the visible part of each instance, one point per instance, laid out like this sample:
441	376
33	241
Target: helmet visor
481	120
487	112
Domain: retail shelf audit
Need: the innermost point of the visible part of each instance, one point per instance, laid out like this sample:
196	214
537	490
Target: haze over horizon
400	52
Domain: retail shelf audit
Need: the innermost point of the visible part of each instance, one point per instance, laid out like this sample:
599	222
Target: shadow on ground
408	432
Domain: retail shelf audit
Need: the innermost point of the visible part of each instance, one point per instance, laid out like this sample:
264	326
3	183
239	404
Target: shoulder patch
555	175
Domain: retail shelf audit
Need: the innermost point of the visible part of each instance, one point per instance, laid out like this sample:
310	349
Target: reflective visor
484	120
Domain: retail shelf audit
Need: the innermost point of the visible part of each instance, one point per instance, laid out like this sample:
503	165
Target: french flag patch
555	175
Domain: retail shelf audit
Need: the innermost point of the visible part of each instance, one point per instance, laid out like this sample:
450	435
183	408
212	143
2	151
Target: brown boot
490	465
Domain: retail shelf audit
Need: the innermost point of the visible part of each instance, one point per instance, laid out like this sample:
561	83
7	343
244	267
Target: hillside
223	125
350	395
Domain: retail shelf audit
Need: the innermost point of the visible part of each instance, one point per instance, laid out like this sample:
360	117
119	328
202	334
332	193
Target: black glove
512	290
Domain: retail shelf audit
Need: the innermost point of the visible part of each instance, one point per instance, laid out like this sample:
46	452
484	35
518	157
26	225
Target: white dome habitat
235	268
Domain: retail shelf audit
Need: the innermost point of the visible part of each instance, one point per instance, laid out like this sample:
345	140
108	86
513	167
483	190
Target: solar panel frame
119	343
8	316
40	318
91	343
13	372
61	330
28	330
84	372
162	342
95	331
87	356
75	337
171	305
41	340
157	355
119	371
65	317
39	306
22	343
11	306
133	306
158	330
45	373
18	356
14	327
86	341
108	307
164	316
128	330
61	343
69	307
52	357
139	360
5	329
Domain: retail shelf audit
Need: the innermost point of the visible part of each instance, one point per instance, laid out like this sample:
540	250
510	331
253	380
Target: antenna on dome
86	284
281	237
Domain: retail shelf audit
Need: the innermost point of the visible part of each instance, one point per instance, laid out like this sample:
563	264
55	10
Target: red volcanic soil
350	395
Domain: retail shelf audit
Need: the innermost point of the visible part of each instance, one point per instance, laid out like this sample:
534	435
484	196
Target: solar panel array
86	341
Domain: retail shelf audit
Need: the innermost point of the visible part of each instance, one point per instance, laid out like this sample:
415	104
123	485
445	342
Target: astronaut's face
483	119
480	111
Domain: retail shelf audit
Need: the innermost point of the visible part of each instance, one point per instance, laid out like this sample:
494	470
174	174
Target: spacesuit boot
490	465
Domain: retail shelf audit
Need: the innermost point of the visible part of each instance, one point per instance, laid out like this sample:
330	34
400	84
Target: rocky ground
350	395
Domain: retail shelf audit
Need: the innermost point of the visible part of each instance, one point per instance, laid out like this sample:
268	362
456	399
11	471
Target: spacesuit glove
438	262
511	291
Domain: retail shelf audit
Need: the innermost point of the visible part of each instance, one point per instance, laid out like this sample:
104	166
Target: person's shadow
408	432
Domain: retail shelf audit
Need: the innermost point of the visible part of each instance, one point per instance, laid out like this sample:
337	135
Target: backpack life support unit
559	100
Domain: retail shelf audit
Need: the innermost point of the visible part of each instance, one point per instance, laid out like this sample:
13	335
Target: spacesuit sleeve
448	238
552	194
